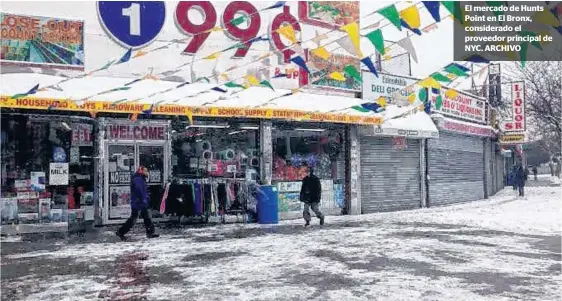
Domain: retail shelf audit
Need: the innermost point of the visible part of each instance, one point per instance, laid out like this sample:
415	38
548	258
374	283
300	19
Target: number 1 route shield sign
133	24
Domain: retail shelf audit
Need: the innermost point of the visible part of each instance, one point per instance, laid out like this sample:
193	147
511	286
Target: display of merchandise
45	210
9	209
28	206
58	215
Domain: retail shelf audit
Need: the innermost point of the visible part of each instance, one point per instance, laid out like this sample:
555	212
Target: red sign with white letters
517	123
135	132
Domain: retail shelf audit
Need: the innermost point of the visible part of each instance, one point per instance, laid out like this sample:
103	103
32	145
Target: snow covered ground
505	248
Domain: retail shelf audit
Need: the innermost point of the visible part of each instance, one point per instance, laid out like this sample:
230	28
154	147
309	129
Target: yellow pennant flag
189	115
252	80
337	76
212	56
412	98
140	53
546	17
295	91
321	52
224	76
288	32
451	94
352	30
411	16
215	29
382	101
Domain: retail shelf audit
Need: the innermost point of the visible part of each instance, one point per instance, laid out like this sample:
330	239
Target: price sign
132	24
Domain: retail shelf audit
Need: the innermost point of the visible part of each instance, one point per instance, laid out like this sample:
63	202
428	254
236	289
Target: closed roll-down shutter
390	178
455	169
499	172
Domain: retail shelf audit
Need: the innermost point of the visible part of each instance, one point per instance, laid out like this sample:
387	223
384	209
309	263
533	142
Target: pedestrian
311	193
139	204
535	172
511	177
520	177
551	166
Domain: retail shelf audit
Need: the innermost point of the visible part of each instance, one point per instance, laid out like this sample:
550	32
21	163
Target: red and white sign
466	128
82	134
517	123
136	132
463	106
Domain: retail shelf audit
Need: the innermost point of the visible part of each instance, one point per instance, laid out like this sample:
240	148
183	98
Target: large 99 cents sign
136	24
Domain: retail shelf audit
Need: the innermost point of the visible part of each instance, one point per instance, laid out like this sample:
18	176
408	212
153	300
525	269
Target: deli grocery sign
463	106
385	85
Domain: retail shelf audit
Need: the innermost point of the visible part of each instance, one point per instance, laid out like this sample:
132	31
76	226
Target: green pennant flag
532	34
392	15
438	102
523	53
454	7
238	20
360	109
449	5
19	96
440	77
455	70
376	38
422	95
351	71
266	84
233	85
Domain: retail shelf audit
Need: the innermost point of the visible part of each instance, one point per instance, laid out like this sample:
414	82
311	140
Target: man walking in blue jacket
139	204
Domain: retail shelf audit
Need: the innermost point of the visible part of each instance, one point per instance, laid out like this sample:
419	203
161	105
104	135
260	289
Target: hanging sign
512	139
517	123
385	85
58	174
132	24
42	41
466	128
463	106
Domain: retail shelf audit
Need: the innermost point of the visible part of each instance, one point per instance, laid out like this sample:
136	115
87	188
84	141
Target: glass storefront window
217	150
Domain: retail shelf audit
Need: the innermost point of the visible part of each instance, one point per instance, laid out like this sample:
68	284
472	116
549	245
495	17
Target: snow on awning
197	99
416	126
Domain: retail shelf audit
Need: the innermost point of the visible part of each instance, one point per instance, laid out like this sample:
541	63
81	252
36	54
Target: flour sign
463	106
517	123
384	85
58	174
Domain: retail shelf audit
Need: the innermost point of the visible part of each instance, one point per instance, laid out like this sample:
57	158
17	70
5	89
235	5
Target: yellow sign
135	108
513	139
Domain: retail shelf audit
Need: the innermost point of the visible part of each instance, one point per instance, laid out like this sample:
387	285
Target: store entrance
121	163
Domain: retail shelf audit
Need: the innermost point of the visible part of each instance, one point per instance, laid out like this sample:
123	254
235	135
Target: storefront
47	172
458	163
391	160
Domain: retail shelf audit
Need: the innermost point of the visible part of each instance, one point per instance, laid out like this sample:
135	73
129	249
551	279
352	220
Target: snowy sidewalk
504	248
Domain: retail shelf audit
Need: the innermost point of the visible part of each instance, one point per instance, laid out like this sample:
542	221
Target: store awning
196	99
416	126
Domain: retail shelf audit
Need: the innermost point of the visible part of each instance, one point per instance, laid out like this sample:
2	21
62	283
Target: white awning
416	126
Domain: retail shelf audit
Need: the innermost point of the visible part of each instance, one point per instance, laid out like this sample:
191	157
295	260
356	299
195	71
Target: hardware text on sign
135	132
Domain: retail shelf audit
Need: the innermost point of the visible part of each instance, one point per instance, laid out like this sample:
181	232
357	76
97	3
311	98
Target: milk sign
384	85
58	174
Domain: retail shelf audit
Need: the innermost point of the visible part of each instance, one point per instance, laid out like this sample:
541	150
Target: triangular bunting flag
450	6
148	112
381	101
252	80
414	30
233	85
476	58
461	67
407	45
440	77
30	92
212	56
288	32
411	16
430	82
218	89
352	30
351	71
361	109
438	102
346	44
239	20
451	94
455	71
376	38
214	29
411	98
422	95
391	14
276	5
280	75
369	63
427	107
189	115
321	52
299	61
267	84
126	57
337	76
433	9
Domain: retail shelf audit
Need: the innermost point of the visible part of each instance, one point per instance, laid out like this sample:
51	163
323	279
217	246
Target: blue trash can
268	206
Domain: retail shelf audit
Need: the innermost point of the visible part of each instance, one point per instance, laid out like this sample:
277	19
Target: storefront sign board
108	107
517	123
42	41
463	106
512	139
385	85
466	128
58	174
135	132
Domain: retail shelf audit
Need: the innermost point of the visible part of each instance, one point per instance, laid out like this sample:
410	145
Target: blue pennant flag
276	5
405	25
433	9
32	91
372	106
301	63
126	57
435	91
461	67
182	84
148	113
258	39
218	89
476	58
369	63
427	107
280	75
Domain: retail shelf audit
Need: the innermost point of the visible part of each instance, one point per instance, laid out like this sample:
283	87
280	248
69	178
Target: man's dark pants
521	190
133	218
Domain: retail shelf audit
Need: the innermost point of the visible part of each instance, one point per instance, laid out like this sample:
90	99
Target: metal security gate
390	178
455	169
500	178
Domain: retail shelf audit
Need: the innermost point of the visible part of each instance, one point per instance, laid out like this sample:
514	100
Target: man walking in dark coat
311	193
139	204
520	176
